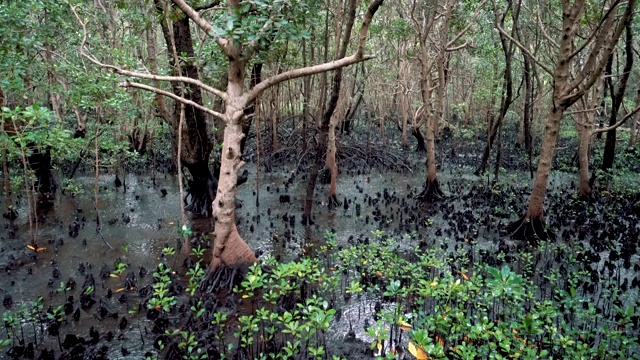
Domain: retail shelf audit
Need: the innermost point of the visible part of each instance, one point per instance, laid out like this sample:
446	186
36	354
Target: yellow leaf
379	345
418	352
40	249
113	275
403	325
434	283
119	290
31	247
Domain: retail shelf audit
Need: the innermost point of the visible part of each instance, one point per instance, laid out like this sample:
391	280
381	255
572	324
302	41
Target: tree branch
139	75
129	84
201	22
525	50
602	48
617	125
214	3
357	57
463	31
542	27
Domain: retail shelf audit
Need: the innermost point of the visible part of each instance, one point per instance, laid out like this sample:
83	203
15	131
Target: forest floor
139	223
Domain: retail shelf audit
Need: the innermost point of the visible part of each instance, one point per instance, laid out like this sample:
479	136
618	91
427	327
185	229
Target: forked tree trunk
567	89
228	247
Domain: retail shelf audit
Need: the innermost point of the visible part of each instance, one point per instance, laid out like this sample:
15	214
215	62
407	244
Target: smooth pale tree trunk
229	248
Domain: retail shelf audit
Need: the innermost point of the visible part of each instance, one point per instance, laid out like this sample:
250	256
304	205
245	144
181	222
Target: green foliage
444	309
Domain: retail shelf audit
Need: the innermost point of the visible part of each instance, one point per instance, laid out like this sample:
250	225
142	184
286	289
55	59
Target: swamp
338	179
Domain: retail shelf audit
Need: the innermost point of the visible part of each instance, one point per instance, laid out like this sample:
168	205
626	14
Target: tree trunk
634	123
507	88
196	143
229	248
527	112
330	160
326	118
568	88
532	226
585	128
584	143
617	96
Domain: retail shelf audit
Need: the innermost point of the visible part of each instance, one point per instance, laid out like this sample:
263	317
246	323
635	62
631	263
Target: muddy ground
139	222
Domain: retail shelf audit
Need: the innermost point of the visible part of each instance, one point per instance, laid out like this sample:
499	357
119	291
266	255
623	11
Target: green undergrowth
430	304
433	305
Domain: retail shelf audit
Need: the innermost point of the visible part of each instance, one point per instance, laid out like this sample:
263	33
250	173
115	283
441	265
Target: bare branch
525	50
307	71
544	31
357	57
617	125
595	30
129	84
602	49
464	31
139	75
201	22
213	4
456	48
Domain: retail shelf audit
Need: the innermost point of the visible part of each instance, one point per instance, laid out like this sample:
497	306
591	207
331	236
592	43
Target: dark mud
142	221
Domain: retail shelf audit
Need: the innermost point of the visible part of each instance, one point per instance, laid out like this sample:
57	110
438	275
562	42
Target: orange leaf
416	351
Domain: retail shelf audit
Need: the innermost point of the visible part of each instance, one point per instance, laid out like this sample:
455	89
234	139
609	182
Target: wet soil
139	222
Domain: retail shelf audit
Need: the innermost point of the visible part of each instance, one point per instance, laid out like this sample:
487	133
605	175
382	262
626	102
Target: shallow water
153	221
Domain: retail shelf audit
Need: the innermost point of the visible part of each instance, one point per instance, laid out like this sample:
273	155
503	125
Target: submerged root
530	229
432	192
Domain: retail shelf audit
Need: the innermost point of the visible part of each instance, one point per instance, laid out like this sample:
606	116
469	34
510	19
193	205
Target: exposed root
352	152
530	229
432	192
333	201
222	278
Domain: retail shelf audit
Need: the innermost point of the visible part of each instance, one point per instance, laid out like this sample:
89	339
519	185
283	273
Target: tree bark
507	85
196	144
617	96
328	113
634	123
567	90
